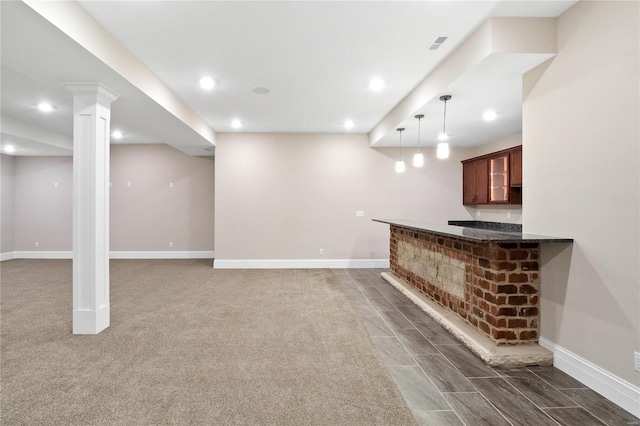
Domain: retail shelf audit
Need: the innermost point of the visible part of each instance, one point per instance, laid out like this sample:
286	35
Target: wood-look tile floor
445	384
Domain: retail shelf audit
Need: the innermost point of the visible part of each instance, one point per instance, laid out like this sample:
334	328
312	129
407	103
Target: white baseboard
162	255
612	387
299	263
7	256
41	255
112	255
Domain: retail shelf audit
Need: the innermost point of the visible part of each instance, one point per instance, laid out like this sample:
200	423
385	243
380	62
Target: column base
91	322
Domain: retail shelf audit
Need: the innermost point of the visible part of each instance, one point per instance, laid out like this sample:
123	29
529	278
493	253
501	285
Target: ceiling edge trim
80	26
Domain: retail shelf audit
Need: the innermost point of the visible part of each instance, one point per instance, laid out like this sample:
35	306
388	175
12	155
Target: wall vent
437	42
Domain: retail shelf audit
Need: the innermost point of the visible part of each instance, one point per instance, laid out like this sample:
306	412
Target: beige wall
145	216
7	163
285	196
42	209
581	168
149	214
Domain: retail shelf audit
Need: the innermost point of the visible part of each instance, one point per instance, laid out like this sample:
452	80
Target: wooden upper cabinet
475	182
516	166
493	179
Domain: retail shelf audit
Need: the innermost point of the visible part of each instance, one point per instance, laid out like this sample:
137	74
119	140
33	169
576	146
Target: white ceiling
315	57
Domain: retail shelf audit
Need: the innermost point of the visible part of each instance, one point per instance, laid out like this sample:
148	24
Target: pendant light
418	158
400	167
443	147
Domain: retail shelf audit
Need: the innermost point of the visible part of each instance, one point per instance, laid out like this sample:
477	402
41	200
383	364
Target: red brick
507	289
518	254
528	335
504	266
495	254
529	266
518	278
533	300
496	322
507	311
517	323
491	276
528	312
533	323
504	334
484	262
484	327
528	289
518	300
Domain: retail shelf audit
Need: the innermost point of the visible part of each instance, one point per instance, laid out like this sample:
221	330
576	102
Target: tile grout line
418	365
449	361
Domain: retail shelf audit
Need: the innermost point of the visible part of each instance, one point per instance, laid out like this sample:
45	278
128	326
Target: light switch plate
359	213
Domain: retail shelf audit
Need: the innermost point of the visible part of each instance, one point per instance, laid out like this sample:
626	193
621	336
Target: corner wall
285	196
7	167
581	167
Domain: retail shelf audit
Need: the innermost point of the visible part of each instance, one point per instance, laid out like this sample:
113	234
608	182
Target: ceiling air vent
437	43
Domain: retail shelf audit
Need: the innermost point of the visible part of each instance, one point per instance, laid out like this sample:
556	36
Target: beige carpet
190	345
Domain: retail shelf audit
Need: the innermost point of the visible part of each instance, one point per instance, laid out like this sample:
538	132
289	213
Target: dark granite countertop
474	234
490	226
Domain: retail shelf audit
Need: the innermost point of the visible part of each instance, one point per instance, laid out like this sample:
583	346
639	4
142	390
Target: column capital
98	91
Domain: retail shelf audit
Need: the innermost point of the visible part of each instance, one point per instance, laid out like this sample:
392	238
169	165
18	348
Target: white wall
581	169
145	216
285	196
7	166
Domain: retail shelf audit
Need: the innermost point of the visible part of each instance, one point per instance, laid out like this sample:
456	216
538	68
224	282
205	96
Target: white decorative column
91	122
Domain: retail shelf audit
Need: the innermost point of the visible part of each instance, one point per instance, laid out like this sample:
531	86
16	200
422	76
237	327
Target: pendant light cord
419	120
444	120
400	129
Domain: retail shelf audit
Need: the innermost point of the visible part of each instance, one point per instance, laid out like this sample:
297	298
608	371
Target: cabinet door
482	181
516	167
499	186
475	183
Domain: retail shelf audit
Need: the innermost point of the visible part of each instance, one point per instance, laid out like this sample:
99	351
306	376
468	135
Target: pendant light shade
443	147
400	166
418	158
443	150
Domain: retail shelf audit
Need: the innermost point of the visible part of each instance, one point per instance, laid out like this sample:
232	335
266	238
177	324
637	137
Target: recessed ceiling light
236	123
489	115
207	83
348	124
260	90
376	84
117	134
9	148
45	107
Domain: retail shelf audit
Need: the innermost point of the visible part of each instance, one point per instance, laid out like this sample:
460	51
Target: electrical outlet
321	251
170	243
55	184
170	184
128	184
636	361
359	213
37	244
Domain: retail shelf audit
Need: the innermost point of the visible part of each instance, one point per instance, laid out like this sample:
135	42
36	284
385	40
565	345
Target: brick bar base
492	286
